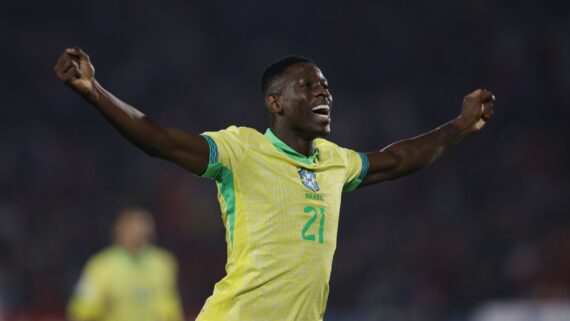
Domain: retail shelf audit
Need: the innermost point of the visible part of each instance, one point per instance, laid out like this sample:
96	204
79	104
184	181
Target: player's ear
272	103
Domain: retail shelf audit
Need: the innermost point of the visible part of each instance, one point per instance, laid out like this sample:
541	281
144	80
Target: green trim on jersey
227	190
352	185
213	149
281	146
285	235
225	179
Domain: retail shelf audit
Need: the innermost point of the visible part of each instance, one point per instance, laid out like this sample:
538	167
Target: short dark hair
277	68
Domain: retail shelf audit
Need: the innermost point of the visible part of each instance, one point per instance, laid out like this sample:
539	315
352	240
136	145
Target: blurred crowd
488	221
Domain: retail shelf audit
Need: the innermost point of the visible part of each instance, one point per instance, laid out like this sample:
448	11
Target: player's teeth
319	107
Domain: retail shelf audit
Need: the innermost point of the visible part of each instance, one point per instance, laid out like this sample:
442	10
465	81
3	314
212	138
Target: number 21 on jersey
305	232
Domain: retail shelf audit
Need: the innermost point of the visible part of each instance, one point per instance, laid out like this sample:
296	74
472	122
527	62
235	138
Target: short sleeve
87	301
356	166
227	149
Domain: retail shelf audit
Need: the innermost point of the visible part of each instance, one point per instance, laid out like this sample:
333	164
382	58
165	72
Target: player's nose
323	92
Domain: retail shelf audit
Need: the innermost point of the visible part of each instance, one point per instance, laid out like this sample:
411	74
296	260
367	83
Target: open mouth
322	110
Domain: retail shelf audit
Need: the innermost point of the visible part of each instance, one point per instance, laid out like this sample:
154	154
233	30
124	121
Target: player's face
135	229
306	100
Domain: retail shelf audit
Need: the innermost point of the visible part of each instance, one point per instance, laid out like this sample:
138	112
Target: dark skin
290	100
299	103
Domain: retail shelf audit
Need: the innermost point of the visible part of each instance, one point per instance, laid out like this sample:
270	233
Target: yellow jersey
281	212
117	286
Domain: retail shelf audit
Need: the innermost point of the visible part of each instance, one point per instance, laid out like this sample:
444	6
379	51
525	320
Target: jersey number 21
315	212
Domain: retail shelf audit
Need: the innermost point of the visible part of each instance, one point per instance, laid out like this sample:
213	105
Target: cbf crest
309	179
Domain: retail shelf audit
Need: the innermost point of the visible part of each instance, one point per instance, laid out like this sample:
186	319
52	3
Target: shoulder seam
246	153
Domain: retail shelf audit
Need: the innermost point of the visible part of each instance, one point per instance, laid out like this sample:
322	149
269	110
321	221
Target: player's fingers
61	61
76	52
486	116
65	68
69	64
486	95
62	67
490	98
70	75
487	111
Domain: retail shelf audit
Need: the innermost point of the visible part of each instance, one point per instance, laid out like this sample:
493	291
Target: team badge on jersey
309	179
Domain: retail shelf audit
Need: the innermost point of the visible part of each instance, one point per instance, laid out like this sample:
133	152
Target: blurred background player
130	280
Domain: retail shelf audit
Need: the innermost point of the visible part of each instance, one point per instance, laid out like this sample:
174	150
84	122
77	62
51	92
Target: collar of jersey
284	148
132	257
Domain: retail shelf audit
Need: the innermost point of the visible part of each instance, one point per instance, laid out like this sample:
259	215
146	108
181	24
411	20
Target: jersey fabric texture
281	212
117	286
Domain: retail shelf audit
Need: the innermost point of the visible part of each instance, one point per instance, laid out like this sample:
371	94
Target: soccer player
280	191
129	280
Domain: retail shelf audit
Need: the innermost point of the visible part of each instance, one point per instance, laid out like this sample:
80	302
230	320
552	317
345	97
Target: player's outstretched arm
188	150
410	155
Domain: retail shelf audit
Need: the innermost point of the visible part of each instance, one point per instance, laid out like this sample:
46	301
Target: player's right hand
75	70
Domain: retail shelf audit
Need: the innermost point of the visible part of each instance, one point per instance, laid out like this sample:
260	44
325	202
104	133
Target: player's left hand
477	110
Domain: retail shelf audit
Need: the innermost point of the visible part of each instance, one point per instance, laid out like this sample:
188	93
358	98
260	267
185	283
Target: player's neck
131	248
301	145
